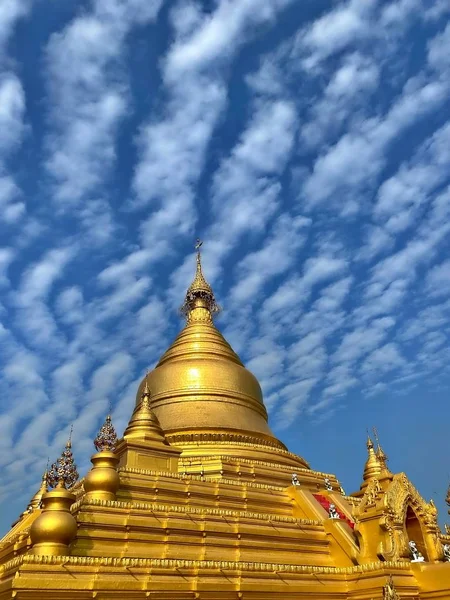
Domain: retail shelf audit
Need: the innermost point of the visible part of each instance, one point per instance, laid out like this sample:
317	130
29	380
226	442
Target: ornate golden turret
144	423
373	467
144	444
55	528
102	481
64	469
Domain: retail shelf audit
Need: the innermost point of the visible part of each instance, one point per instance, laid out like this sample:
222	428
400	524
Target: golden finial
369	441
145	396
380	453
447	499
107	437
199	293
63	472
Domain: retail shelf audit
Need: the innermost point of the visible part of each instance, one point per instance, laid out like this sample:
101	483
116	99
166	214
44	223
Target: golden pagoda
200	500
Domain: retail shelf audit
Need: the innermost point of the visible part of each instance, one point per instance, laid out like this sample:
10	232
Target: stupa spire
373	466
145	398
63	472
379	452
144	423
36	500
199	294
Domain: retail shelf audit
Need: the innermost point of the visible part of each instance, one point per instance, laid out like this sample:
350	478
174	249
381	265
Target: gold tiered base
180	536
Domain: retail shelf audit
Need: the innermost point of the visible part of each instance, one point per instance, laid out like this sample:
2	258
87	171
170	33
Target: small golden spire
106	437
63	472
144	423
199	294
145	398
372	467
447	499
36	500
380	453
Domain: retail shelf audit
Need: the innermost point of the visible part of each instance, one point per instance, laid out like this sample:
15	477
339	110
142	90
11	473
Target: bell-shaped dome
200	385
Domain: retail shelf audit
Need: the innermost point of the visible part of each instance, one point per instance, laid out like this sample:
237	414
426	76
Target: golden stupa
199	500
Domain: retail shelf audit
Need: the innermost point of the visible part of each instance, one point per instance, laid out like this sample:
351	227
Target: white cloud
275	258
12	110
402	196
89	94
7	255
384	359
10	12
349	169
173	149
363	340
12	115
335	30
438	279
439	50
216	36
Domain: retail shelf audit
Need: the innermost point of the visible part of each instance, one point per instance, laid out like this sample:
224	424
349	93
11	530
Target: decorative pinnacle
106	437
369	441
36	500
63	472
380	453
199	290
145	398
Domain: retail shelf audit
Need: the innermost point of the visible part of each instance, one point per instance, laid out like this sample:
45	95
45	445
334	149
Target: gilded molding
251	445
223	438
189	477
17	537
256	462
196	565
182	509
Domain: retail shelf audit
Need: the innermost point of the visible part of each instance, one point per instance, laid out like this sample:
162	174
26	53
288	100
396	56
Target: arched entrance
414	531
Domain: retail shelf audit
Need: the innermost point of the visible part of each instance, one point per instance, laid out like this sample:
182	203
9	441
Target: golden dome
54	529
200	385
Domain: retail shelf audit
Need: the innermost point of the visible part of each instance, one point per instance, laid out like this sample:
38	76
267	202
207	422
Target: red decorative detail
325	503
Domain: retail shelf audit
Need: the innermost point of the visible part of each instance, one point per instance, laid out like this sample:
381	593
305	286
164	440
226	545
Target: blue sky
307	143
